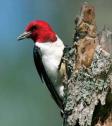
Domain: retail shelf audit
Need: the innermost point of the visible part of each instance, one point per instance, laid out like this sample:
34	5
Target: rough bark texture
88	99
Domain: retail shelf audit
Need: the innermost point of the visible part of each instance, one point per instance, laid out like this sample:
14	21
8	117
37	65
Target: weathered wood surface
88	99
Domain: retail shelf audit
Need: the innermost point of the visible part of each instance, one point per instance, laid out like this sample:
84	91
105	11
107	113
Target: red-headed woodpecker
48	52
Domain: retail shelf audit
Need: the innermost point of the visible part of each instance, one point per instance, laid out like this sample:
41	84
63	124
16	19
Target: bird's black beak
24	35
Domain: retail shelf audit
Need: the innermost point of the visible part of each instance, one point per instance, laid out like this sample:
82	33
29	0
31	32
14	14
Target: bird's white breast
51	56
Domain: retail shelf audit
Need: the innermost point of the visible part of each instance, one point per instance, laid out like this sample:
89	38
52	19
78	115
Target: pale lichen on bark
86	88
89	69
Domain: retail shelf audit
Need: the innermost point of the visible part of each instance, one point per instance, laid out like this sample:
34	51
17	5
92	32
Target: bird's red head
39	31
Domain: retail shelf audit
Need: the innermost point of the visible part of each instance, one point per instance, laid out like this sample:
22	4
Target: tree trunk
88	98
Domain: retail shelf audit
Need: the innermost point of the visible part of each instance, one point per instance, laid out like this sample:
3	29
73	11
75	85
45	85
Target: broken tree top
90	80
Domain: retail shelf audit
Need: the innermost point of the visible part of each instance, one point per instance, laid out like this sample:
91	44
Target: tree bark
88	85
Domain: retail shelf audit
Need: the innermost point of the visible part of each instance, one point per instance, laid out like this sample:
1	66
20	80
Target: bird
47	52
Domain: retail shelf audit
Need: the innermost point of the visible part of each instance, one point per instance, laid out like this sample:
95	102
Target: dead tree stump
88	86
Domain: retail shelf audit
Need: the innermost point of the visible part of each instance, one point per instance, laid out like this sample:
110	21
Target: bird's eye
33	28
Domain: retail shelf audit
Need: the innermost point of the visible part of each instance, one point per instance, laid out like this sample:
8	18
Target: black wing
43	75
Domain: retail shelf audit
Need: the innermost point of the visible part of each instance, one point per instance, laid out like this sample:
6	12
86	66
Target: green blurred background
24	100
